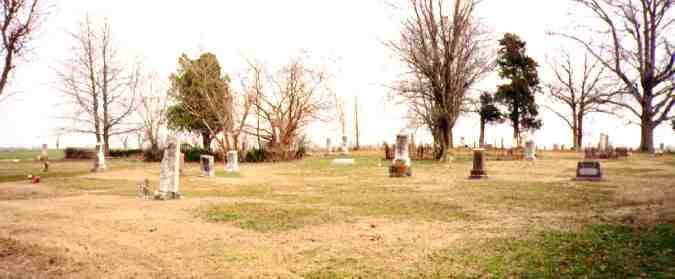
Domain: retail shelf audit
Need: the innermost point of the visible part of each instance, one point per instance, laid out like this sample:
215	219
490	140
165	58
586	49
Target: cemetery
337	139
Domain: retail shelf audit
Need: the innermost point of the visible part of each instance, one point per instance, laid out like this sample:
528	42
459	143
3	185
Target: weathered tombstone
662	147
329	146
207	165
556	147
99	164
589	171
478	171
530	151
344	148
182	163
562	148
401	166
44	158
232	161
169	175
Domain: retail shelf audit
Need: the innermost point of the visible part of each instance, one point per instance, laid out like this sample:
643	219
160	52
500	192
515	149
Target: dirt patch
20	260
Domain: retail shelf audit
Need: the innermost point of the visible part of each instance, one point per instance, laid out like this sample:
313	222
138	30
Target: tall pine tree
518	96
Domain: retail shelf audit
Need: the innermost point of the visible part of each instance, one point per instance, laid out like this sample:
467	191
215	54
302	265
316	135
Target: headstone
169	175
530	150
589	171
99	164
662	147
556	147
44	155
329	146
344	148
182	163
401	166
343	162
207	165
232	161
478	171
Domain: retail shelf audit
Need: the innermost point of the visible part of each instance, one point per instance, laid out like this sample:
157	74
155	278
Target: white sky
351	31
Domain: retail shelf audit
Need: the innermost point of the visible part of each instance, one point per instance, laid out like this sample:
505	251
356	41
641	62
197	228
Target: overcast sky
350	32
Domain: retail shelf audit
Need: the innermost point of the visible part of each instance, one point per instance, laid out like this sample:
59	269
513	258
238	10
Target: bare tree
446	54
153	108
633	40
18	23
581	94
291	99
100	87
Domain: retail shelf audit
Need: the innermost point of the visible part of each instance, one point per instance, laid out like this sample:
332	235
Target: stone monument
329	146
478	171
344	148
232	161
530	150
589	171
99	164
207	165
44	158
401	165
169	175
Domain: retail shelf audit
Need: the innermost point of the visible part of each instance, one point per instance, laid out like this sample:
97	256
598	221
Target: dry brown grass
309	219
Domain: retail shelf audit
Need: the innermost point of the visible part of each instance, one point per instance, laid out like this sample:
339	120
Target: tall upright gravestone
401	166
169	176
478	171
207	163
99	164
44	158
530	150
232	161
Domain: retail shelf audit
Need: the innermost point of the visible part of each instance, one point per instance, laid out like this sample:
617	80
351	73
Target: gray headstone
232	161
207	165
169	175
530	150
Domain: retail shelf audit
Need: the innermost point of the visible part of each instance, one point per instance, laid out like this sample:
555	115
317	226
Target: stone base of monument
400	169
478	174
589	171
342	162
99	168
164	196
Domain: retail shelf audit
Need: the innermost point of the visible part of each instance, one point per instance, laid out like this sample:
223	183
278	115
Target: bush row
124	153
78	153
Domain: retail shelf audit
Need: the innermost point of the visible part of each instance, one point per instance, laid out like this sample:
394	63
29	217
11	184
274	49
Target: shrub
124	153
75	153
255	156
193	154
152	155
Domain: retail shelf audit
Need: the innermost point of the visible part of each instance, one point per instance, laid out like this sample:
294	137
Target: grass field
308	219
30	154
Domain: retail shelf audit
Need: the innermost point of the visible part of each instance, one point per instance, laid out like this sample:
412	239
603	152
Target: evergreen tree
518	96
489	113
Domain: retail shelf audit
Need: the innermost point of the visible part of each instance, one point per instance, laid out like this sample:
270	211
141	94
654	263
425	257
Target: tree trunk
647	136
481	140
206	140
106	141
579	140
444	140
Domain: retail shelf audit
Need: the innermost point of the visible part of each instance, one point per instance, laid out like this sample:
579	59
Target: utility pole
356	121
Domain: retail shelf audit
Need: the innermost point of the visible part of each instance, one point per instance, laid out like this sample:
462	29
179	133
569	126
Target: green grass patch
265	217
599	251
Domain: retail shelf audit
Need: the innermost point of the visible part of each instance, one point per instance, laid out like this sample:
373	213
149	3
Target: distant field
30	154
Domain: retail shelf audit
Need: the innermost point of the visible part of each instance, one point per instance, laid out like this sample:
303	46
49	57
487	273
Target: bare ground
51	232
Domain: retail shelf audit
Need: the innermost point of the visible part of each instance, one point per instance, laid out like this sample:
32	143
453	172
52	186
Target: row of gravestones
401	164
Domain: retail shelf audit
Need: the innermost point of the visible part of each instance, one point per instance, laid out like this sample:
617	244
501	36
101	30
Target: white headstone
329	146
207	165
344	149
232	161
99	164
530	150
401	152
44	155
169	175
